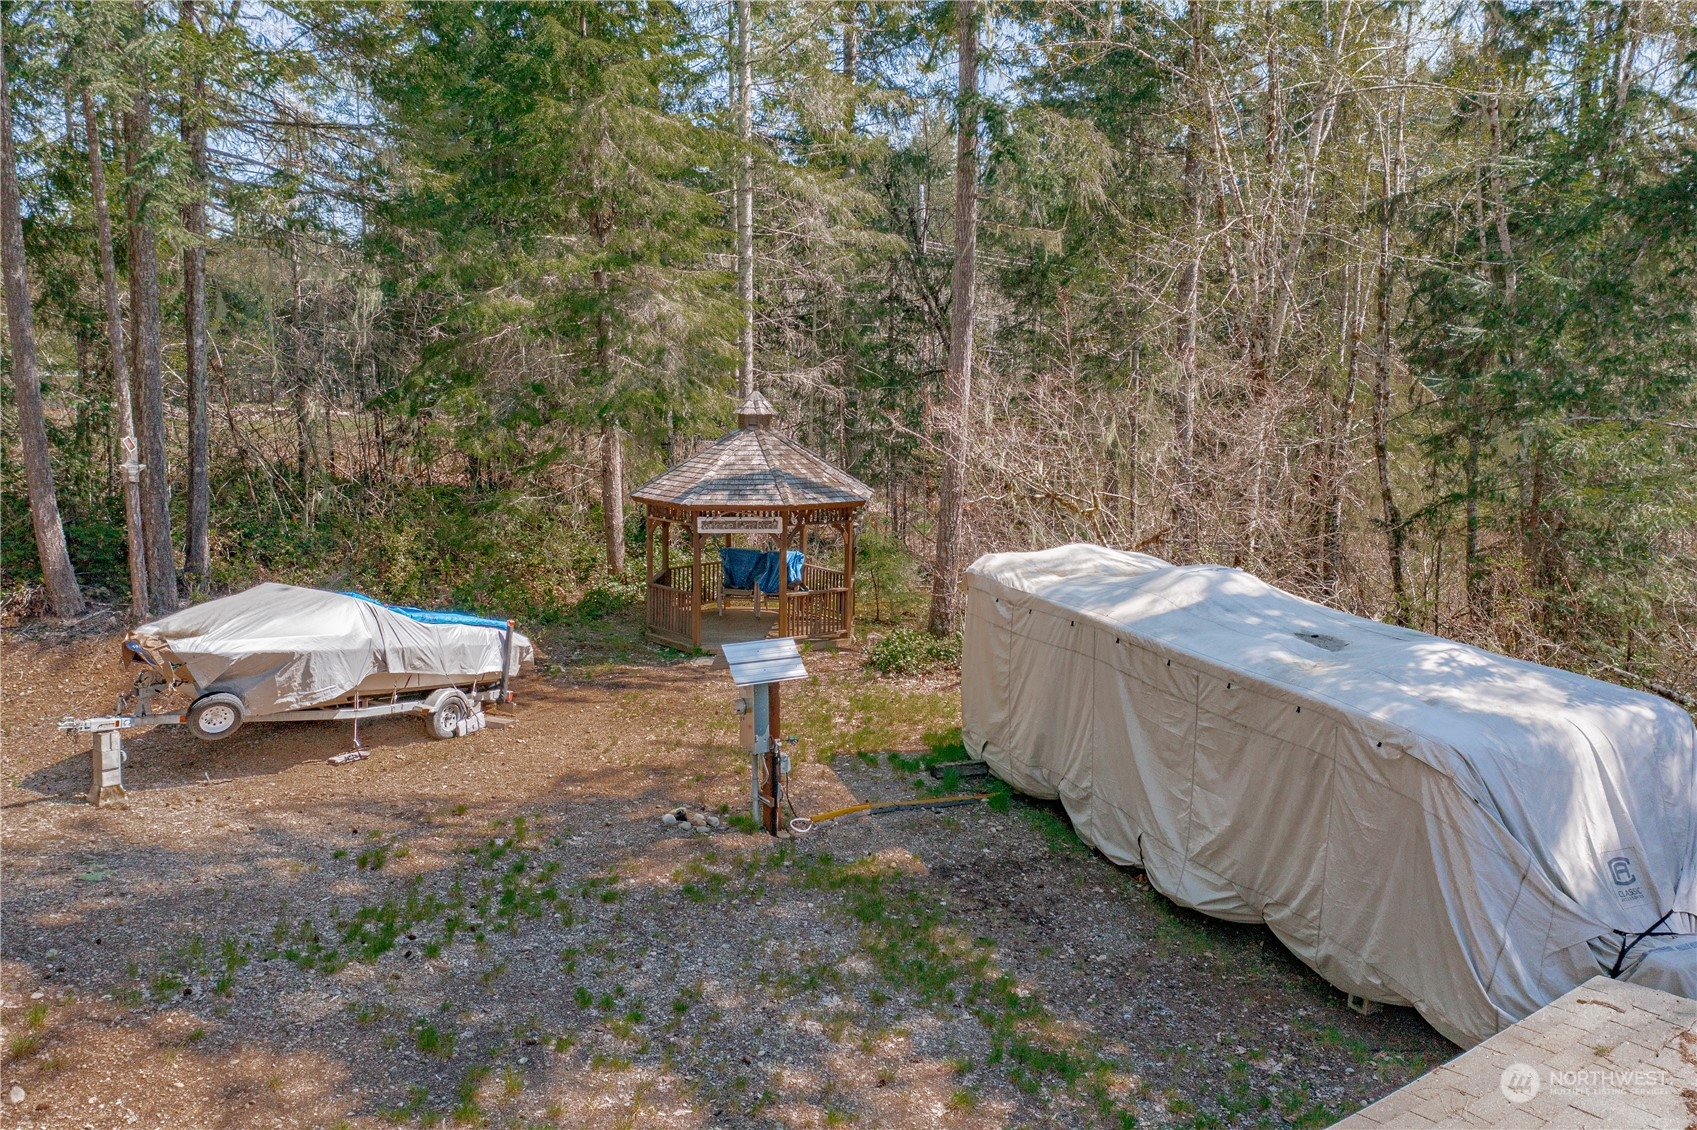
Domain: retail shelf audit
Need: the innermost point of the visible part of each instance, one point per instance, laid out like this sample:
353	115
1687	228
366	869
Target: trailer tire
444	722
215	717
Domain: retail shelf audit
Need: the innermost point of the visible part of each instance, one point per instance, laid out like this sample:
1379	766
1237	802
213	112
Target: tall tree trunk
1189	286
955	412
745	201
1390	185
1331	534
147	365
129	467
1509	279
196	550
63	593
851	59
1476	597
612	439
613	495
306	443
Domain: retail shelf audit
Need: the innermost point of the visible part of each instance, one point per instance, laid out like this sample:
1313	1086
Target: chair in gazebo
754	481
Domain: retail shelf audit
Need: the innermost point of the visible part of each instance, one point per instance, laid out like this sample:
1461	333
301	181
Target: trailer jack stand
106	759
106	762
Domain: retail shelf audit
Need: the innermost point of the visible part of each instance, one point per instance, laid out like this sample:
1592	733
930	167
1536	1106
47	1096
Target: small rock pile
701	823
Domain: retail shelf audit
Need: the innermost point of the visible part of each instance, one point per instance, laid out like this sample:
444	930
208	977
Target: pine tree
569	207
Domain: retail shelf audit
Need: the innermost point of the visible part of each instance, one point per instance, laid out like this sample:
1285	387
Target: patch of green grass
367	1013
1050	819
165	985
434	1041
466	1109
868	716
35	1019
22	1047
374	855
919	955
416	1109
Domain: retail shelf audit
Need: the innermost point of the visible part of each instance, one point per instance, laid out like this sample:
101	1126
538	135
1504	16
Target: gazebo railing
817	611
821	576
671	607
821	610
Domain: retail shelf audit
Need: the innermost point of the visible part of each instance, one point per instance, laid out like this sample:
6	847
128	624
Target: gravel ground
499	930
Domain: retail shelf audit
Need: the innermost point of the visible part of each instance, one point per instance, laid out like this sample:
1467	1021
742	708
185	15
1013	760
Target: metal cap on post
762	665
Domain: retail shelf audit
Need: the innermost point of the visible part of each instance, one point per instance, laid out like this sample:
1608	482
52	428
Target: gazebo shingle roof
754	467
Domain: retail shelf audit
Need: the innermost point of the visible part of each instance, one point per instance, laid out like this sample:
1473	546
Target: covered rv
1421	822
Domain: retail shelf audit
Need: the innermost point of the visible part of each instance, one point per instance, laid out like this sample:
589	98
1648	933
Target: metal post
107	765
762	742
773	744
506	661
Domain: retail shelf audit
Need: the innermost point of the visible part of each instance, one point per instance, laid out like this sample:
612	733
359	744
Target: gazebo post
784	577
648	548
695	574
848	576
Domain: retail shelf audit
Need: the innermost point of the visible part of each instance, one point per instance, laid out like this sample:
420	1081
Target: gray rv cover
285	648
1419	821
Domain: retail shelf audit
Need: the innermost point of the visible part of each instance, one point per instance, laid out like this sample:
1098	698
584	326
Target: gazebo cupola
793	514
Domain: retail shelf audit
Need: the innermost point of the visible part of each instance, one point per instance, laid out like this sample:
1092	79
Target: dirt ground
499	930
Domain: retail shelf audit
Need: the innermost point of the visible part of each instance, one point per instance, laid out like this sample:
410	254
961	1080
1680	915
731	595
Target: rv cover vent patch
1321	639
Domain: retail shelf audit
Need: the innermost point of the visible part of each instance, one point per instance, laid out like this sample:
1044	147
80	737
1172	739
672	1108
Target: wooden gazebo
753	483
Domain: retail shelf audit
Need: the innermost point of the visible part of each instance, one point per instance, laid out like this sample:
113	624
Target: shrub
907	651
609	595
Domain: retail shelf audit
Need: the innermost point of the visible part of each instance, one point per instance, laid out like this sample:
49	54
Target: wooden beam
784	578
695	574
848	576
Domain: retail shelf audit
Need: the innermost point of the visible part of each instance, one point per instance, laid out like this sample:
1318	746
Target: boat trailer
452	712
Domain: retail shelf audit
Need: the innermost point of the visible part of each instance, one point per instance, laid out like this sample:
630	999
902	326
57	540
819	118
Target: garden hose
878	808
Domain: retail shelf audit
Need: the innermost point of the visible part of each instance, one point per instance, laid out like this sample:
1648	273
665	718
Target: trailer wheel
215	717
444	722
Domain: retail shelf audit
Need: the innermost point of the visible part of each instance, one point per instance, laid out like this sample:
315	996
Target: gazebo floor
737	625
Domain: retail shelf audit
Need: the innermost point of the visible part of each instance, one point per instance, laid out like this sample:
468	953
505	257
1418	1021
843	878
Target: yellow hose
892	805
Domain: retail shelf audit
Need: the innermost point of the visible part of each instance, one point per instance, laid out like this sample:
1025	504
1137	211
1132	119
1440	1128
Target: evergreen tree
567	207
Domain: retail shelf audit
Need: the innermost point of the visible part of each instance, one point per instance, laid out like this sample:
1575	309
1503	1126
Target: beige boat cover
1419	821
286	648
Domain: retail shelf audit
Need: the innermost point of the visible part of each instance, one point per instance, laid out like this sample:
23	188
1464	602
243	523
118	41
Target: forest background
1390	303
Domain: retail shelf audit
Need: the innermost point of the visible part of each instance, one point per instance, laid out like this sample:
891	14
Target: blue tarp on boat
425	616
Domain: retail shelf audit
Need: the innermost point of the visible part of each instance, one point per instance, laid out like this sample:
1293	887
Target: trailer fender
452	714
